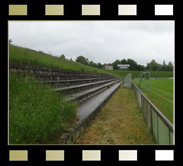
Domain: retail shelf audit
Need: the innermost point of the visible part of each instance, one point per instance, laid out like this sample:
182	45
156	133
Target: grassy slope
27	56
119	122
30	57
36	115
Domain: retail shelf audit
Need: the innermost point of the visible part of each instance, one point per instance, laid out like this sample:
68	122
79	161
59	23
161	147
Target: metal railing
158	124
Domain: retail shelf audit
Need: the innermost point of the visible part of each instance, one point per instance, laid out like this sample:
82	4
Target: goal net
144	81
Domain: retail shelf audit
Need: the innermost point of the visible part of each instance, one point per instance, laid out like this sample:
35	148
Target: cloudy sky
99	41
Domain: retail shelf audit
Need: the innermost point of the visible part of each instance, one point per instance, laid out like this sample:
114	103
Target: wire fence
158	124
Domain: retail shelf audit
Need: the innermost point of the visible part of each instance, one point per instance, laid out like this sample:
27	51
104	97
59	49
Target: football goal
144	81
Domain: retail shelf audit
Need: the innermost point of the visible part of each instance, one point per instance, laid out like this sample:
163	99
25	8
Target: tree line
151	66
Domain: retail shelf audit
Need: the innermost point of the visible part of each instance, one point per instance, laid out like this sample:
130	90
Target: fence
157	123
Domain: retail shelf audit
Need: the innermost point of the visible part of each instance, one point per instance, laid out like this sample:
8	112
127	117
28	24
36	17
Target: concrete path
93	103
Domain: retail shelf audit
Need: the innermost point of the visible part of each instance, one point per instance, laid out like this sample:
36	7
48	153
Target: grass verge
119	122
36	114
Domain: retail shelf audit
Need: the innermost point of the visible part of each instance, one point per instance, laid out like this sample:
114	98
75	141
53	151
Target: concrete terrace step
67	74
59	83
71	76
84	95
48	73
86	113
14	67
82	86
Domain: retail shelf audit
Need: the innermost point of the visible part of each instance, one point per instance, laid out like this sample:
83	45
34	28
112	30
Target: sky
99	41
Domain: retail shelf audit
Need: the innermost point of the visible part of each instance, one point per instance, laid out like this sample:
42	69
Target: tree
164	66
154	66
62	56
81	59
170	66
132	63
140	67
123	61
92	64
115	63
164	63
87	61
99	65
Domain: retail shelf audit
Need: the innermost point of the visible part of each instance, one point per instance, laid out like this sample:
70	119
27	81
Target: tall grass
36	114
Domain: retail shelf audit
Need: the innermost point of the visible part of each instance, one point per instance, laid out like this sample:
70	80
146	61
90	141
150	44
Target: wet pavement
93	103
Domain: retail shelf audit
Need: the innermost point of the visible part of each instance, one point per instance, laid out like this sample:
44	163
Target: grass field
161	95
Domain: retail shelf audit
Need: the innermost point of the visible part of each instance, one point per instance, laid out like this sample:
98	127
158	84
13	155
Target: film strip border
65	154
90	155
91	9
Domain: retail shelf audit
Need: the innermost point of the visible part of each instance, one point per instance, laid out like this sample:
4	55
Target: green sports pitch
161	94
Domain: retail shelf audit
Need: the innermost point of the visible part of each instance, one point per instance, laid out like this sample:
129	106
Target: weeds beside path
119	122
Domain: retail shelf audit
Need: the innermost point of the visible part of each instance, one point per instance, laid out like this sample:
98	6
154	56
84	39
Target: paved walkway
119	122
93	103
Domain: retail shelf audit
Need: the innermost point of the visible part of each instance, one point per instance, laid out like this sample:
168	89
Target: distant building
109	67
